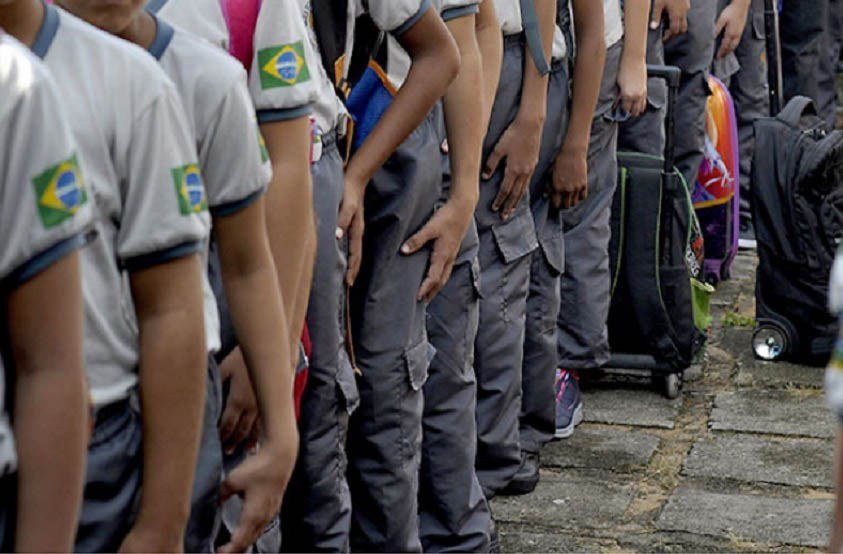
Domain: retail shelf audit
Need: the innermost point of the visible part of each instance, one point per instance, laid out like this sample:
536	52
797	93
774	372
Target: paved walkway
740	462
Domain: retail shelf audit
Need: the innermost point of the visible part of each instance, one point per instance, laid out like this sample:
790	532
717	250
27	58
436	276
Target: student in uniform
44	219
741	28
391	184
562	166
585	287
142	277
213	89
689	45
507	234
453	513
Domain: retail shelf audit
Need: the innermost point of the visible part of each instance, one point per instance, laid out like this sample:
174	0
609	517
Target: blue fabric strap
530	22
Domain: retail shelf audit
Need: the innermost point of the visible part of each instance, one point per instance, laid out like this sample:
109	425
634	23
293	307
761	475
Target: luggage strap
530	22
795	109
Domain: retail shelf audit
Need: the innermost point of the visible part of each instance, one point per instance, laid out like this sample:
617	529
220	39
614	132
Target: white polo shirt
509	16
45	208
141	167
204	18
613	21
234	166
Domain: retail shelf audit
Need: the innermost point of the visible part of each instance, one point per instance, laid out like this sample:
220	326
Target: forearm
588	74
289	217
258	317
464	116
533	105
50	418
434	65
172	372
636	16
490	42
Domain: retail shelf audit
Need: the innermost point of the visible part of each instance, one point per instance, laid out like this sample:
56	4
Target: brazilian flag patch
190	190
283	66
60	192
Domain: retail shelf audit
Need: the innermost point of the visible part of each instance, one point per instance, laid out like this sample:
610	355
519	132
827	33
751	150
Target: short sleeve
454	9
396	16
233	159
45	207
283	79
164	211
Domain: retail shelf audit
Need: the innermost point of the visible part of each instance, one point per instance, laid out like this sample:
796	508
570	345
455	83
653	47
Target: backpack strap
794	111
242	18
530	22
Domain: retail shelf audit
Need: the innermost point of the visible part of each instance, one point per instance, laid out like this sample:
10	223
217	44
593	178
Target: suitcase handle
671	75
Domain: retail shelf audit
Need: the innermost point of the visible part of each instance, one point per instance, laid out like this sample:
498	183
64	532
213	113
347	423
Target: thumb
656	17
414	243
492	163
228	487
344	220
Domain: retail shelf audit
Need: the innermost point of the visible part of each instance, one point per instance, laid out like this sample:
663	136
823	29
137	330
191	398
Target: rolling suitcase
651	320
797	208
716	194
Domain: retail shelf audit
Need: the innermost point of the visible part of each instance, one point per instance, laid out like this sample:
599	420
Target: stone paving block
569	501
543	542
615	449
749	518
773	412
753	372
754	459
637	407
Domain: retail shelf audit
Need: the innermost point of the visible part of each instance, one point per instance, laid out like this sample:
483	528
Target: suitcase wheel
669	384
769	341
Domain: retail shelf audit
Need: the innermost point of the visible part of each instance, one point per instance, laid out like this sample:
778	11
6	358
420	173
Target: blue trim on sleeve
154	6
163	36
283	114
231	208
145	261
404	27
47	32
45	259
461	11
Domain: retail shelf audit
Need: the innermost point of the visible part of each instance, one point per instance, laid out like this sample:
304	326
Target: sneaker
568	403
526	479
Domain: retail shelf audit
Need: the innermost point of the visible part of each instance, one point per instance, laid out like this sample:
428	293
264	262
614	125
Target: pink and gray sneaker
568	403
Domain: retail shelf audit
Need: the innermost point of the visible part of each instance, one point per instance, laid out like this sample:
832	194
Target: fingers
639	107
720	25
414	243
628	104
727	45
346	214
241	431
355	247
492	162
249	528
505	190
656	17
516	195
435	279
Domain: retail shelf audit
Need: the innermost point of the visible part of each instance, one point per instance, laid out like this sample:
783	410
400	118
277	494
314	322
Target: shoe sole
747	244
566	432
518	488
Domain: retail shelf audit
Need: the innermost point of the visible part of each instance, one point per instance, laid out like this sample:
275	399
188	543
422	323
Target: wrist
464	201
167	525
532	114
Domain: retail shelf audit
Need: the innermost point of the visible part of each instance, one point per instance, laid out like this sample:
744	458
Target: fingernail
338	233
654	25
405	249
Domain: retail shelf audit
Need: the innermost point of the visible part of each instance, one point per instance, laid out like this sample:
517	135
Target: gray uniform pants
453	513
831	57
583	338
750	93
112	480
505	264
317	514
537	421
646	133
803	25
204	519
388	324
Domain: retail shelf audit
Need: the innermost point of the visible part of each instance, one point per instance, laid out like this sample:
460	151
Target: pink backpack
241	16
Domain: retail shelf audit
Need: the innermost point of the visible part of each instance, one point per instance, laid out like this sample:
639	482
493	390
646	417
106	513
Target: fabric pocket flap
517	236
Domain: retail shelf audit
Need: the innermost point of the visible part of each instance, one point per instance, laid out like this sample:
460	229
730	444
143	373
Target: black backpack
797	209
